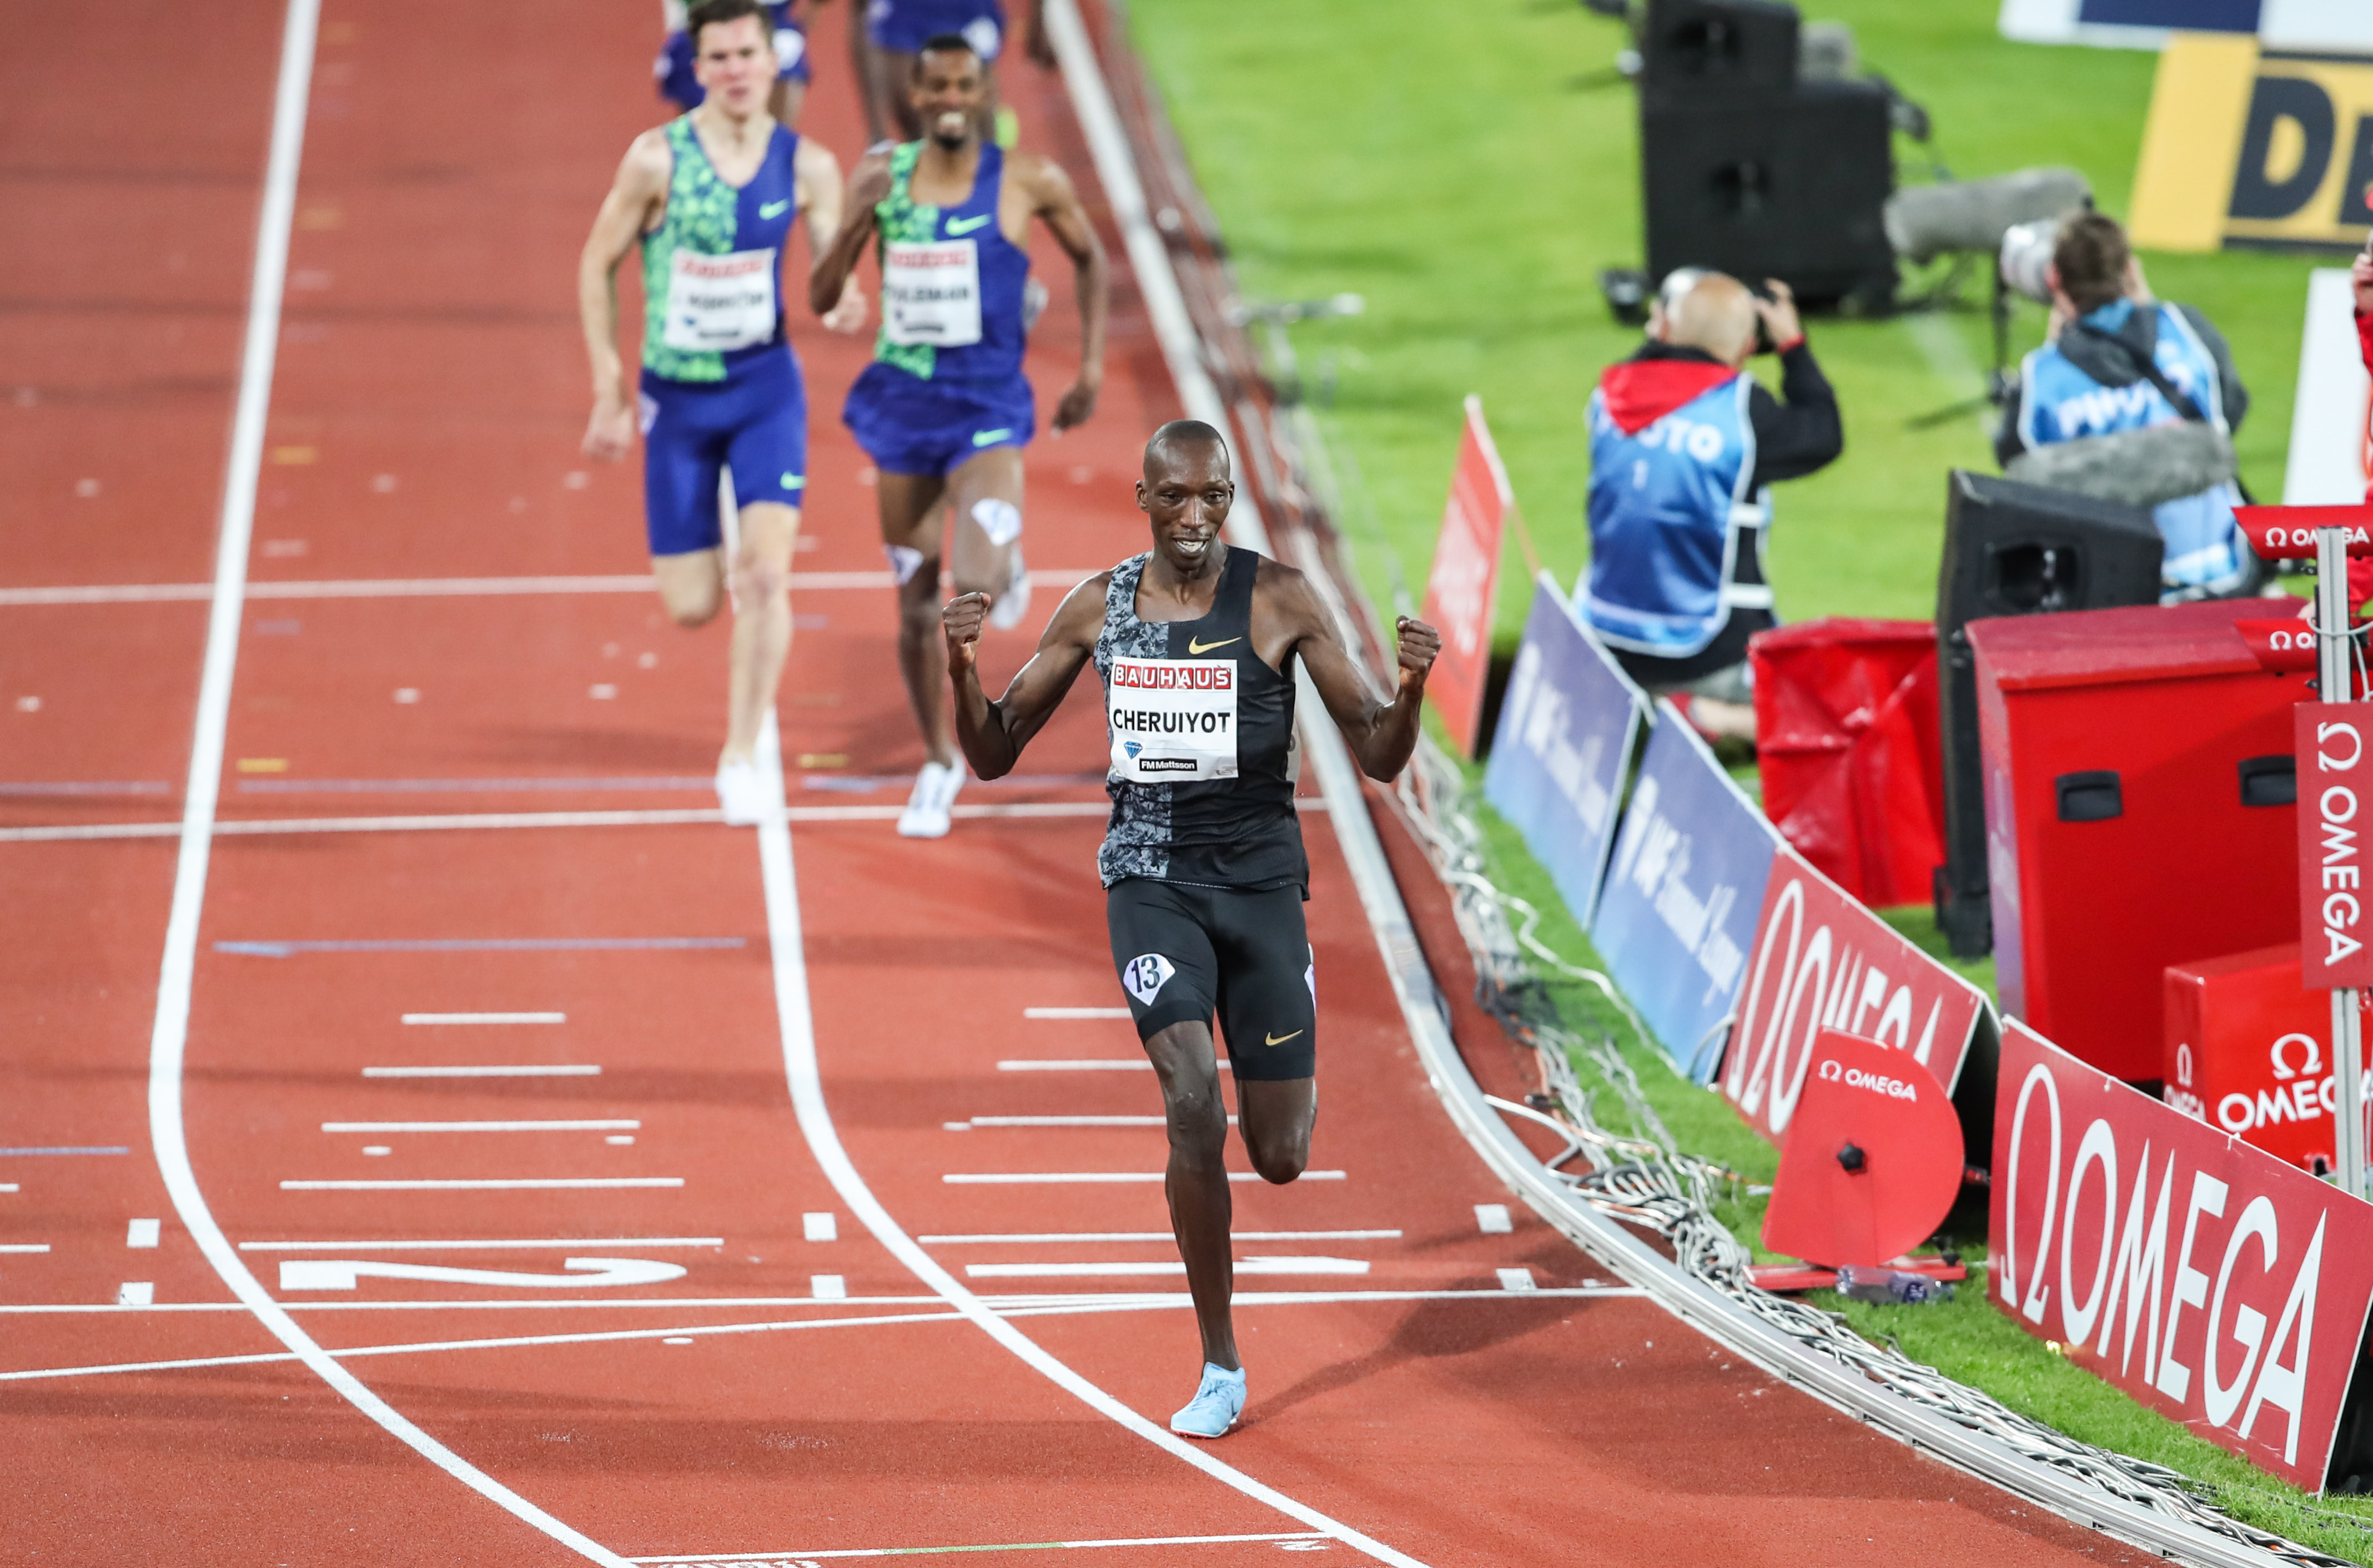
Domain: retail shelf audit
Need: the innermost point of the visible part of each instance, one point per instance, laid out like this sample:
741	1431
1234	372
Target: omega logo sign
2335	783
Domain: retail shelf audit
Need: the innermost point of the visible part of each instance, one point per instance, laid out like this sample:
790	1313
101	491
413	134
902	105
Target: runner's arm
993	734
1381	734
641	184
867	183
815	176
1058	204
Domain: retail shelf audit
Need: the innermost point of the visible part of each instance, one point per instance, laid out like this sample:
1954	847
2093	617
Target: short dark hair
711	13
1185	432
946	43
2092	256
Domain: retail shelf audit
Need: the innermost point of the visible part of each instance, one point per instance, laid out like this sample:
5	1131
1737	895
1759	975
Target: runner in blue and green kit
944	409
710	198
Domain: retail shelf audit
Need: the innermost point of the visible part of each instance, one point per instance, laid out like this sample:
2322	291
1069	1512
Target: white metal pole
2333	657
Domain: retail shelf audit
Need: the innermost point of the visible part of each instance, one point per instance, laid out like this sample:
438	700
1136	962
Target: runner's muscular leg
979	488
691	585
1275	1117
1197	1180
909	506
762	620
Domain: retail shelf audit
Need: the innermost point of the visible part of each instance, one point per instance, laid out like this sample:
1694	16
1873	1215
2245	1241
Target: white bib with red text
931	291
719	303
1174	721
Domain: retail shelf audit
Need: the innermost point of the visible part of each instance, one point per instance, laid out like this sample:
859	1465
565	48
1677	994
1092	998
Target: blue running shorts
909	426
754	423
903	25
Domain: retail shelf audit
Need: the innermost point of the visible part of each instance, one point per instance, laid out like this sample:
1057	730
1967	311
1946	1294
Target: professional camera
2025	257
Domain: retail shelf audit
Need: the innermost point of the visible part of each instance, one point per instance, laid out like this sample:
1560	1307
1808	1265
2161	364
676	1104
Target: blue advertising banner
1563	741
1677	914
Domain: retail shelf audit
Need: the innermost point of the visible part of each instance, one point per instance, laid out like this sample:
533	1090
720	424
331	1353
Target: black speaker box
1790	187
2013	549
1718	50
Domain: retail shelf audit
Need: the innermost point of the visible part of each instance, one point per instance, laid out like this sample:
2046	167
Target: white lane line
168	1041
1059	1177
828	1287
1062	1122
506	1304
537	1246
1075	1012
473	821
1518	1279
1110	1235
1092	1270
600	1126
485	1018
1078	1064
135	1293
143	1233
518	1072
509	1342
431	587
770	1559
786	946
8	1186
1492	1219
821	1226
24	1247
489	1184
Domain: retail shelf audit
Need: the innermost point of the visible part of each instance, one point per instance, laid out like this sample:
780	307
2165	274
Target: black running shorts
1184	953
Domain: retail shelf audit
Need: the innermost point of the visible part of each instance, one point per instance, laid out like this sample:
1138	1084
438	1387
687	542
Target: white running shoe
926	813
1014	602
1215	1407
742	791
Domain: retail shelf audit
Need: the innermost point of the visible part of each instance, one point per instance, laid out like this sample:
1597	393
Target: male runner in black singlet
1203	869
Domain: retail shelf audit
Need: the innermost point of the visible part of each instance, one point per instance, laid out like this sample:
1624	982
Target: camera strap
2149	371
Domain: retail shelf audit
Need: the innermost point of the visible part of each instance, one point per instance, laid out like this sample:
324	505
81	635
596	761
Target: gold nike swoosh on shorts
1194	648
1278	1040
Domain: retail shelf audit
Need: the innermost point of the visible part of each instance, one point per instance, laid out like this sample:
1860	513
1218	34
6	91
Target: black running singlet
1203	757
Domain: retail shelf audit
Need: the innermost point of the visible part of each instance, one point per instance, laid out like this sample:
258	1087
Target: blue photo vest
1669	513
2060	402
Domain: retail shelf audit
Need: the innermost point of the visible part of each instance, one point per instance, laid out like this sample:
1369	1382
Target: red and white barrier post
2333	747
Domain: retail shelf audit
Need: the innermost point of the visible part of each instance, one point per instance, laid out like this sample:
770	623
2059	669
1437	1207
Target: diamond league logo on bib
1146	975
1172	720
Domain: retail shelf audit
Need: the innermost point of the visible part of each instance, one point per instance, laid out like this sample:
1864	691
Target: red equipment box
2139	790
2249	1051
1846	743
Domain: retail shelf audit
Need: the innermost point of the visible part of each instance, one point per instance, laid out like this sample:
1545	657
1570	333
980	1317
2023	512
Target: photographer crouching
1683	444
2118	360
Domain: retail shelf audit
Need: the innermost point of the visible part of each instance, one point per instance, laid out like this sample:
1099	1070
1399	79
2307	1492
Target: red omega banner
1459	591
2211	1280
1821	960
2334	744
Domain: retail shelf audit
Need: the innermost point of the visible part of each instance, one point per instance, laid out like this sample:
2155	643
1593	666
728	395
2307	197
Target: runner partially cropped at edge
710	197
944	409
680	84
1202	862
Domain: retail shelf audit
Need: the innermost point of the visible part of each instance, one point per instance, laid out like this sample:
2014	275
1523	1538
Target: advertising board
2206	1278
1562	746
1678	907
1821	960
1459	588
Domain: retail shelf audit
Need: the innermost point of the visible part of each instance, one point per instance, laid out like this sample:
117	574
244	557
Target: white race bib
1174	721
931	293
717	303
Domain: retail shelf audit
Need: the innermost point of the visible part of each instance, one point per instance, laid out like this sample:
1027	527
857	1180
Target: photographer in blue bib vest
1683	447
2118	360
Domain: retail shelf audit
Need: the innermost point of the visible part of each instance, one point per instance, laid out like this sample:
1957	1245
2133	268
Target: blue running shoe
1215	1407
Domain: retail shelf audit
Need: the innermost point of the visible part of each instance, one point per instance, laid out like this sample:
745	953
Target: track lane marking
169	1040
479	821
483	1184
536	1246
768	1558
430	588
1095	1271
611	1125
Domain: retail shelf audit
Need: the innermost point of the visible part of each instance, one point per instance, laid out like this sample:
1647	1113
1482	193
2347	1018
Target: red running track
785	1083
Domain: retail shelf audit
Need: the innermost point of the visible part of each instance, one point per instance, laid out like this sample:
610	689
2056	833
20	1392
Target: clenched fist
961	618
1420	644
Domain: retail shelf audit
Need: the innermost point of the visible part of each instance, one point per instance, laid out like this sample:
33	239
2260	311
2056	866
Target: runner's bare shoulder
1048	185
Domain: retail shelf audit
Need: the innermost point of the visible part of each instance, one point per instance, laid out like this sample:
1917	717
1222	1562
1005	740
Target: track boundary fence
168	1039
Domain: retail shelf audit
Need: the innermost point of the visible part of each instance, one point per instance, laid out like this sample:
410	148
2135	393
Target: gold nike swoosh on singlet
1194	648
1281	1039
